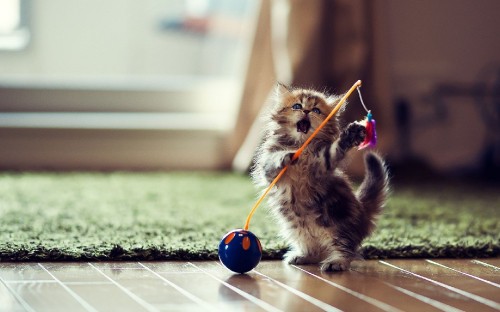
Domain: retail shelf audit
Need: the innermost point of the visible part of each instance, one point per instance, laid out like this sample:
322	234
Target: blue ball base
240	251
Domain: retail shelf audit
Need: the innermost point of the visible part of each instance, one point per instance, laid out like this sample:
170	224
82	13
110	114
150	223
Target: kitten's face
299	112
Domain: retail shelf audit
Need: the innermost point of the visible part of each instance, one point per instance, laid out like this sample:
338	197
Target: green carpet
146	216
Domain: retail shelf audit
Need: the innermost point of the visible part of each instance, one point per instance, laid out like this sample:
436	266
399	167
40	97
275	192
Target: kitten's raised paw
353	135
335	266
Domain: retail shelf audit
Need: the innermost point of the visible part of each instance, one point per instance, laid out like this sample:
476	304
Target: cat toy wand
240	250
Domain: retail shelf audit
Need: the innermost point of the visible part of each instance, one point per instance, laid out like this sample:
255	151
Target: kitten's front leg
352	136
275	162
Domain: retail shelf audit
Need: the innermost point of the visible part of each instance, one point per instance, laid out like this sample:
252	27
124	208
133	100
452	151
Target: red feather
371	133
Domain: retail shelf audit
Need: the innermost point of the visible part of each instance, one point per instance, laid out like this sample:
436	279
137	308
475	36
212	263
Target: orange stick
300	150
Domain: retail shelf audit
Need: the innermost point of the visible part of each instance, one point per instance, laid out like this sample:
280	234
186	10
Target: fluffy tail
374	189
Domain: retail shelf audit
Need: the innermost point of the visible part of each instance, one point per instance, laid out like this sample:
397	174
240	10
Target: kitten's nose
306	111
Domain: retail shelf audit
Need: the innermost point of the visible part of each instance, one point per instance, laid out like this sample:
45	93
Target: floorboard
388	285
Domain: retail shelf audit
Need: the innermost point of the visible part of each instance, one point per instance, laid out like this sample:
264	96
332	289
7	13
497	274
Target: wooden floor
391	285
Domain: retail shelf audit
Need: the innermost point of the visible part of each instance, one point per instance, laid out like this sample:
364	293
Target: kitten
320	215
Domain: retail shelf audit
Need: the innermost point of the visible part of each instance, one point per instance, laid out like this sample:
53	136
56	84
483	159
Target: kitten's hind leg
295	257
302	254
339	264
337	260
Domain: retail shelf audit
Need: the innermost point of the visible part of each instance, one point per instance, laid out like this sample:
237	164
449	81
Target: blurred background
179	84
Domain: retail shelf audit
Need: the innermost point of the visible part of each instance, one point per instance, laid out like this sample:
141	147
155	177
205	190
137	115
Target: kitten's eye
296	106
316	110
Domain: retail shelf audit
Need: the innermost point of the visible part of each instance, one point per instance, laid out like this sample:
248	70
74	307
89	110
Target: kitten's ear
333	100
282	89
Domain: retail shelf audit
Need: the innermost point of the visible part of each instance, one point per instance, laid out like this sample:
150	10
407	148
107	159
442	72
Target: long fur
319	214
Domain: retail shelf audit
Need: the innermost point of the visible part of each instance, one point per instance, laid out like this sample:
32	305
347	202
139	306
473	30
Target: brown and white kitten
320	215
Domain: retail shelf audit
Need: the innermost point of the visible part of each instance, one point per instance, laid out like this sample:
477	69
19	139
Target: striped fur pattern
320	215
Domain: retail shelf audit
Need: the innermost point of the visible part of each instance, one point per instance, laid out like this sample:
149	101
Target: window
14	32
122	67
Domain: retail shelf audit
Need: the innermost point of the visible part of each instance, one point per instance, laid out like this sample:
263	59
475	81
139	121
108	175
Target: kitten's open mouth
303	125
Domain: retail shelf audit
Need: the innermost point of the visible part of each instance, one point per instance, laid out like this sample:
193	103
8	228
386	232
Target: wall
453	42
